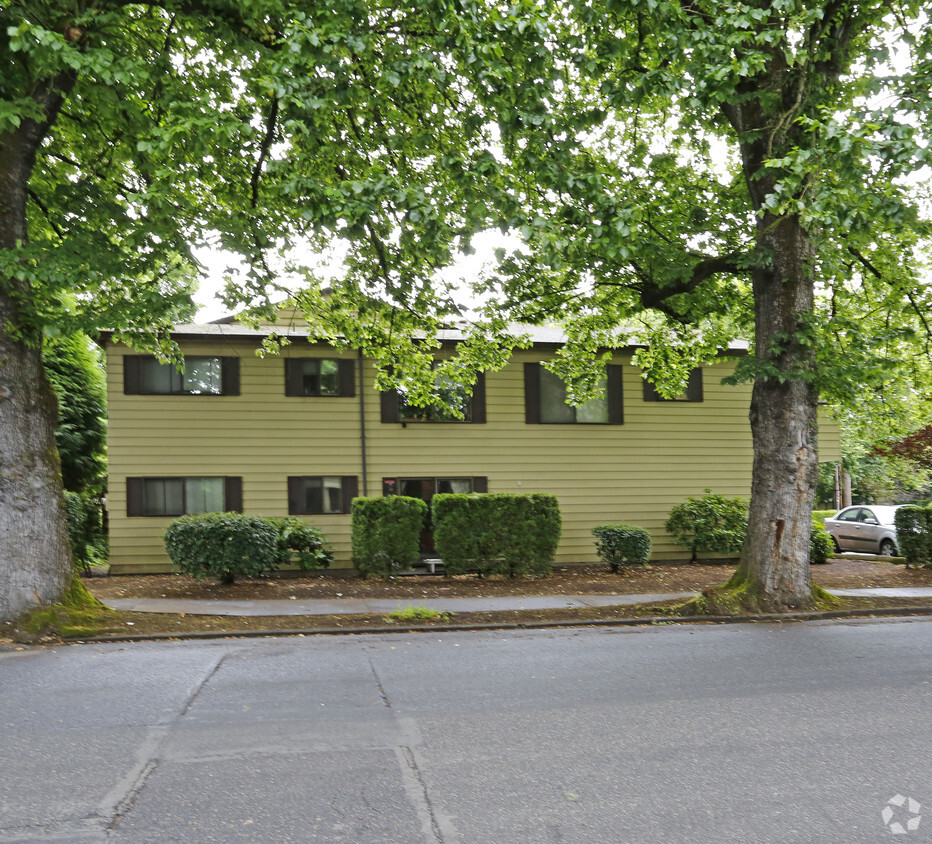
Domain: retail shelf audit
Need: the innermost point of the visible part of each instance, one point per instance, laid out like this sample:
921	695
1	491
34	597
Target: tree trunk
774	569
35	556
35	564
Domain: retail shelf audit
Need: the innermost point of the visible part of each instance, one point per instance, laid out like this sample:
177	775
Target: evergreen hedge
622	545
386	533
231	545
914	534
496	533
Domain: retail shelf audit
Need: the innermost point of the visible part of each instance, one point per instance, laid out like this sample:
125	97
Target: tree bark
35	556
774	570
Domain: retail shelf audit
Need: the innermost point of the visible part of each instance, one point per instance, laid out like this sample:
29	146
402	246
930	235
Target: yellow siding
601	473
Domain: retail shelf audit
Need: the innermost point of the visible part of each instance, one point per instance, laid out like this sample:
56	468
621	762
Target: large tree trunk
35	556
774	570
35	564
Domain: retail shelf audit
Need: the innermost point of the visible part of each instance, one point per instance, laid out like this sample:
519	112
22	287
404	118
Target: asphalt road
752	733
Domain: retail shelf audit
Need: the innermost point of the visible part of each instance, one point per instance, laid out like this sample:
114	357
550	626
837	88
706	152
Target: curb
646	621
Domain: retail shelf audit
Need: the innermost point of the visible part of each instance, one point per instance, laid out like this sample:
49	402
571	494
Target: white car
867	528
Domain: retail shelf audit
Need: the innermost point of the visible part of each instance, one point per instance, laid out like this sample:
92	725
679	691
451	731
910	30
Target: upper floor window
200	376
311	495
545	397
395	408
178	496
692	392
319	377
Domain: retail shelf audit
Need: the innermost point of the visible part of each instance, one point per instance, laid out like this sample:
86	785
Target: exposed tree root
78	613
740	597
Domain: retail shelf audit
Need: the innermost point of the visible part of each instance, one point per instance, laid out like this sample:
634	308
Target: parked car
864	528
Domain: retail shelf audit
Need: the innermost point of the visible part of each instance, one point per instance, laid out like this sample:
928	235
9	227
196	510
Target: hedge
496	533
709	523
231	545
622	545
914	534
386	533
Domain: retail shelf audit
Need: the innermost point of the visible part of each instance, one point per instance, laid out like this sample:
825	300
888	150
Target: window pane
155	377
329	378
202	376
163	497
459	486
203	495
553	406
313	496
310	377
595	410
332	495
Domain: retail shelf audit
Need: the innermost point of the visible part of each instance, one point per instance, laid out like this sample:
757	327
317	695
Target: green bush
386	533
710	523
914	534
85	530
821	546
496	533
622	545
222	545
821	515
301	544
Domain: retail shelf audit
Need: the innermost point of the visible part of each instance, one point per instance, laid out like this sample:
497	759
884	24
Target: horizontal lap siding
635	472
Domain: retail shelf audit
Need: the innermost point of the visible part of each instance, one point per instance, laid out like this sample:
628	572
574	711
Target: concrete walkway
361	606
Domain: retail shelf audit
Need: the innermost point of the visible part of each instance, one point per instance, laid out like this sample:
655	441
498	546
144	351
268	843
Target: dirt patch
420	590
588	580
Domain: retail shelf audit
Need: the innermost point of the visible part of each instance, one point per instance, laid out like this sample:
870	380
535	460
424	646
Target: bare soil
588	580
421	589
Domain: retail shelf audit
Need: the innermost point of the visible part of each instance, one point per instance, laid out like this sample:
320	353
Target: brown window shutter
132	380
477	403
295	497
390	410
229	368
134	497
350	484
347	377
480	484
389	486
293	381
532	393
650	392
694	385
233	494
614	394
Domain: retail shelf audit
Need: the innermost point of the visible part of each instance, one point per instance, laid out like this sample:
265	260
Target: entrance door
426	489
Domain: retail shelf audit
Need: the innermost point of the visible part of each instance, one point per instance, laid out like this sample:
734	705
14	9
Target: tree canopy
686	171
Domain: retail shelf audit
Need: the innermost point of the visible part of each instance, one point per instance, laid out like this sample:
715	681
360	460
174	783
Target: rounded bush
222	545
711	522
301	544
622	545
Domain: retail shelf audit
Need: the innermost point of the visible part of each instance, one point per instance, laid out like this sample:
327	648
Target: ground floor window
311	495
178	496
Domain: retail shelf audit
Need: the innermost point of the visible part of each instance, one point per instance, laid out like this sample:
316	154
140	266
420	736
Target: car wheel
888	548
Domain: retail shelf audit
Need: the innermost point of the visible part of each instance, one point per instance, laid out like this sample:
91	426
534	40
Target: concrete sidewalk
362	606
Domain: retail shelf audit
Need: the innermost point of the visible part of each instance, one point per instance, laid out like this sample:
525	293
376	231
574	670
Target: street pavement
794	732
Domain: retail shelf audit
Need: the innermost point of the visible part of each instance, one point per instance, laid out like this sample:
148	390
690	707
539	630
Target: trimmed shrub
222	545
821	515
497	533
622	545
301	544
386	533
914	534
821	546
709	523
